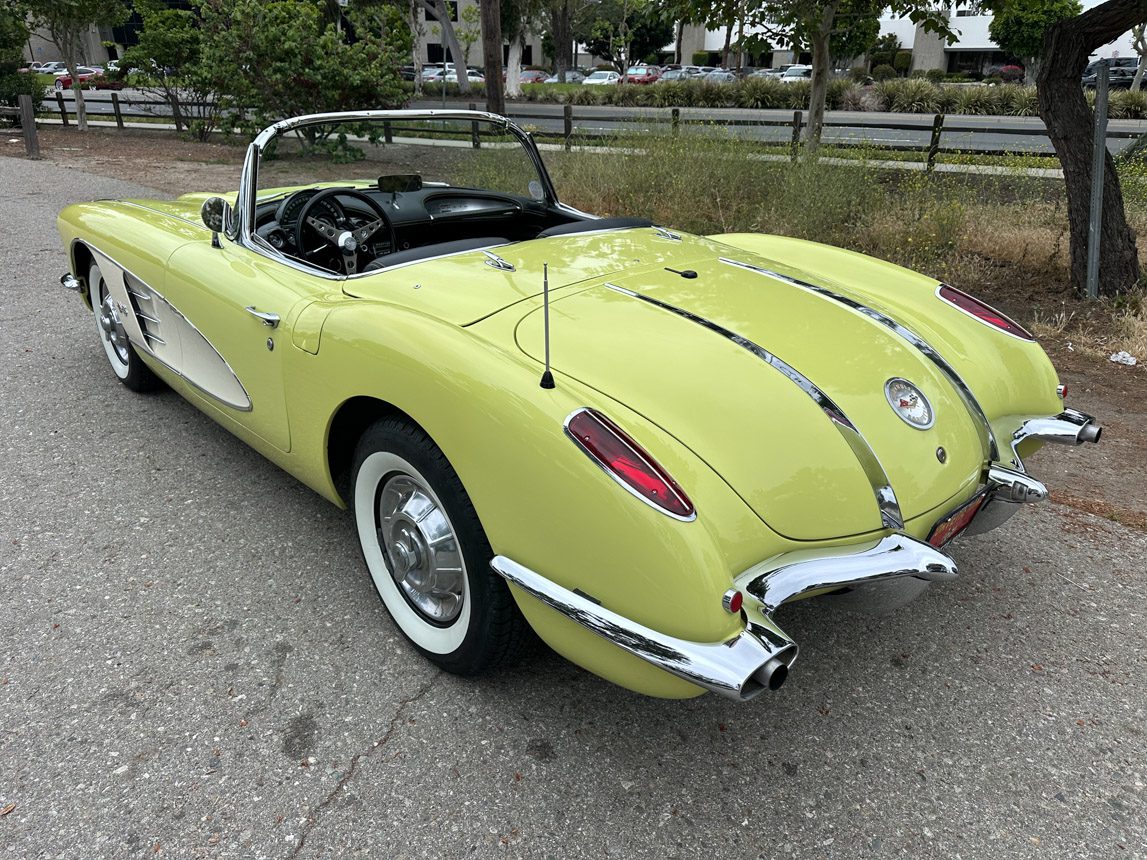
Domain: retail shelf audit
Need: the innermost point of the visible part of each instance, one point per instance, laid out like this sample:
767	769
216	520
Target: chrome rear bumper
759	656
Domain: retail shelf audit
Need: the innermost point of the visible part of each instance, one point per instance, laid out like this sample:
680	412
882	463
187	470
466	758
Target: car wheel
427	553
128	366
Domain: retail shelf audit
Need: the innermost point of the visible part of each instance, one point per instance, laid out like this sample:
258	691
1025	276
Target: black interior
428	222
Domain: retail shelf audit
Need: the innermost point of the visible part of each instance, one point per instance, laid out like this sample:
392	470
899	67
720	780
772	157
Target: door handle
270	320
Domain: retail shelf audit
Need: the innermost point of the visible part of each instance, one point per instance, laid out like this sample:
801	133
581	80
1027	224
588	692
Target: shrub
841	92
15	84
935	75
859	74
1011	73
761	93
883	72
980	100
1125	104
796	95
700	58
1020	101
913	95
902	62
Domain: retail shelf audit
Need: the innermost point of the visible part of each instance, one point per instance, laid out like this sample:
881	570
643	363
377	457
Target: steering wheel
349	243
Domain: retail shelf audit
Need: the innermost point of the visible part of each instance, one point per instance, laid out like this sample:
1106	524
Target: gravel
193	663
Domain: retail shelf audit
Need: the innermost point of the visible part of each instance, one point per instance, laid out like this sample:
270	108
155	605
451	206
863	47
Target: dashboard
430	215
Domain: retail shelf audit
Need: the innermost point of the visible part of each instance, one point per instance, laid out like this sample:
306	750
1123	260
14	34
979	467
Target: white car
793	74
601	78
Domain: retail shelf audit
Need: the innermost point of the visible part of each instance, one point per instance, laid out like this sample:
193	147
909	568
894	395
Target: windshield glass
389	155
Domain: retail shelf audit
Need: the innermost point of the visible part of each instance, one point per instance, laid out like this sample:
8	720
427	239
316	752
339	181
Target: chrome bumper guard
1008	488
759	656
70	282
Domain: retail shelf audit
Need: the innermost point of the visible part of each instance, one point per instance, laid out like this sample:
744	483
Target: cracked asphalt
193	663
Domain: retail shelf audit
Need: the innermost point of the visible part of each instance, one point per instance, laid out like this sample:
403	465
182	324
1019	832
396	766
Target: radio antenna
547	376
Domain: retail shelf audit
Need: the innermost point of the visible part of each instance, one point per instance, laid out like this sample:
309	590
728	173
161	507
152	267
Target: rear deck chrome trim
886	501
902	331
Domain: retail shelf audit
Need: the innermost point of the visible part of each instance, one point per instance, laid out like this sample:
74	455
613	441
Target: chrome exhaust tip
70	282
1090	433
772	675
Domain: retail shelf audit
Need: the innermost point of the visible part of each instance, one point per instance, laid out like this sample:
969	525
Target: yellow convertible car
639	443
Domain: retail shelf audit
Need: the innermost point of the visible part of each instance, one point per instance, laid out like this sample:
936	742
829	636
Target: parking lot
193	663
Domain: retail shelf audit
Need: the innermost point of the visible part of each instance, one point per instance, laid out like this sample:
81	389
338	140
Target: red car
89	80
642	74
533	76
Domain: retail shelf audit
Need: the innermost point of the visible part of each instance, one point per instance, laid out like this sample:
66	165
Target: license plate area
954	523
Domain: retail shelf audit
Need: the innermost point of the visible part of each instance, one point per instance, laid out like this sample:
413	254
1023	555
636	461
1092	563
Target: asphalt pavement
193	663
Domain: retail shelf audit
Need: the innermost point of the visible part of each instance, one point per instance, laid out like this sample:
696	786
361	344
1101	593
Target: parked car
601	78
641	75
83	73
533	76
767	73
52	67
721	76
1120	73
703	430
572	76
450	76
674	75
793	74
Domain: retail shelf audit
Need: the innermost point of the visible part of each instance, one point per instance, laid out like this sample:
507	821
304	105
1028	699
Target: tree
440	11
623	31
492	54
518	18
1019	28
67	22
281	58
1067	47
1139	43
818	22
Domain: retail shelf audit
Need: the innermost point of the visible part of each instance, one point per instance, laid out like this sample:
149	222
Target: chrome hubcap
420	548
112	328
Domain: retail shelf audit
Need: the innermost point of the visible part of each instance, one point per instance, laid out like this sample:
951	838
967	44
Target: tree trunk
492	54
1070	126
818	87
416	46
81	108
514	68
677	42
1139	42
441	11
561	31
728	42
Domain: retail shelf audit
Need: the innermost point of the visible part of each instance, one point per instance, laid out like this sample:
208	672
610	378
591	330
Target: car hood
696	361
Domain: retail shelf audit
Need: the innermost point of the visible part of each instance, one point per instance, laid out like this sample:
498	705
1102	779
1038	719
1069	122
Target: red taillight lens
983	312
624	459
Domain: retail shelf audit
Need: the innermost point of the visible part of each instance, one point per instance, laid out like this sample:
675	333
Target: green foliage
700	58
908	95
883	72
902	62
934	75
622	30
282	59
1019	28
884	50
13	35
15	84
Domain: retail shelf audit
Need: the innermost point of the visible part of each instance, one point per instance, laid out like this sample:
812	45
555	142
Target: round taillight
983	312
732	601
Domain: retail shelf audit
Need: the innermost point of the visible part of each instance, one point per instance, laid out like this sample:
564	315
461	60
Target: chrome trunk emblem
909	403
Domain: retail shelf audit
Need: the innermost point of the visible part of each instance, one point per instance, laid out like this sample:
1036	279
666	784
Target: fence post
475	140
387	132
118	112
28	125
1098	164
63	108
676	114
567	117
934	143
796	134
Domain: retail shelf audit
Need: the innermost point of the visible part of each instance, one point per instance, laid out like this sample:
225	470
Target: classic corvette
637	442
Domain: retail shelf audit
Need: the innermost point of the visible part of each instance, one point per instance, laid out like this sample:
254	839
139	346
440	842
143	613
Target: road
193	664
1023	134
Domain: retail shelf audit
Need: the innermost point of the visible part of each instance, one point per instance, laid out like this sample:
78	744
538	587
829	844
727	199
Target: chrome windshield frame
242	227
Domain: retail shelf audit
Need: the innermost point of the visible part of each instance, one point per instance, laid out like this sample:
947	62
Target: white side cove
155	327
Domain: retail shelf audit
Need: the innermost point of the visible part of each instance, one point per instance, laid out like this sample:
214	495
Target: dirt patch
1109	480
